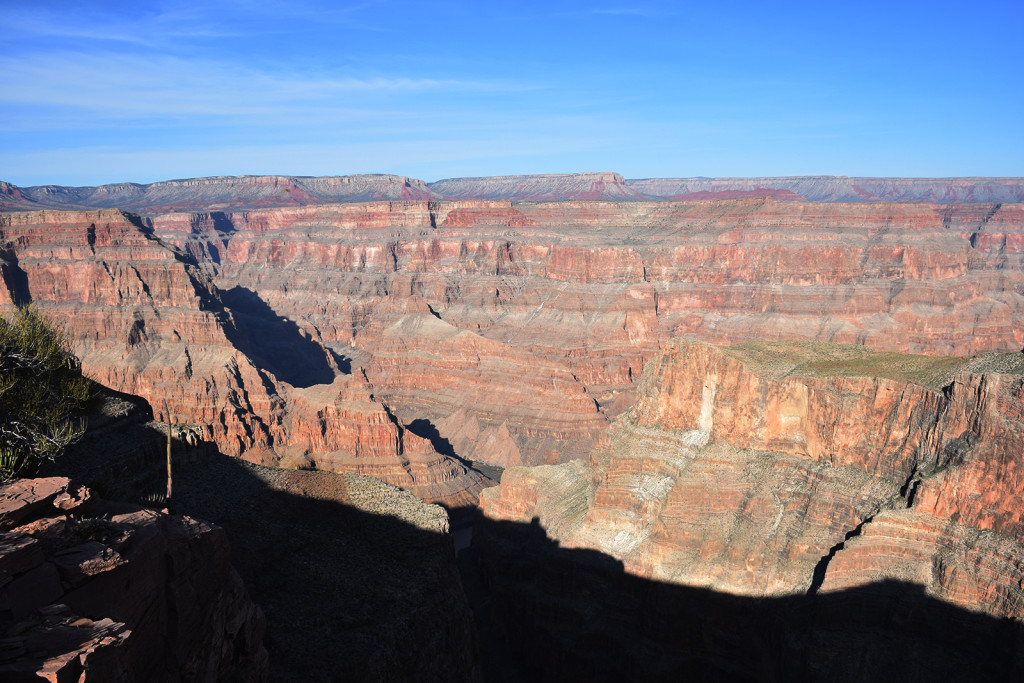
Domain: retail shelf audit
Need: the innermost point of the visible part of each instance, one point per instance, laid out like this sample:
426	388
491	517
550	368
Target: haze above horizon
114	91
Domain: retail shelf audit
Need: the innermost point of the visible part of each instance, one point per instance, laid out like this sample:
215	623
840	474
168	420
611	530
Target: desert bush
43	395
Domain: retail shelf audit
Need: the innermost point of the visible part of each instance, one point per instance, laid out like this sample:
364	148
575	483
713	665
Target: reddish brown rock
585	292
145	320
163	602
787	468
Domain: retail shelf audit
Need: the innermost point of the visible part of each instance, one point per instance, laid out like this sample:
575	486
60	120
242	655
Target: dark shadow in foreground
547	613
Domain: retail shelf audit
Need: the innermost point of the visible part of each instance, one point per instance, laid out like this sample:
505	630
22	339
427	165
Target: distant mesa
225	193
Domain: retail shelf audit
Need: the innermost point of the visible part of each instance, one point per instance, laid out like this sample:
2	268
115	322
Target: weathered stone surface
145	320
173	607
778	507
442	302
746	469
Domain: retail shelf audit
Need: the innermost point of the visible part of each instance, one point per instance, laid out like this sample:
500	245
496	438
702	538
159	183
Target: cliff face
790	510
95	591
786	468
146	320
442	302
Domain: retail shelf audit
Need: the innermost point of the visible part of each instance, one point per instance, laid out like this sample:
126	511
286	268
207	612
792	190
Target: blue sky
97	92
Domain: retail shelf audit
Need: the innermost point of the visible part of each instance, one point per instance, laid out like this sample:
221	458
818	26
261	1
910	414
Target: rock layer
441	302
763	469
858	496
94	591
146	320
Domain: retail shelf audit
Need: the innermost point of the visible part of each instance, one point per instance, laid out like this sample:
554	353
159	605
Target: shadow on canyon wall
351	595
276	343
547	613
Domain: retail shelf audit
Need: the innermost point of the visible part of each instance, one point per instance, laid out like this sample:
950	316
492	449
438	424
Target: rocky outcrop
761	469
146	320
814	471
357	578
94	591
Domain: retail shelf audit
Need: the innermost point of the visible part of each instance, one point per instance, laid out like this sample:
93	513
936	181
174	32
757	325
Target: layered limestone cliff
96	591
441	302
145	319
746	469
789	471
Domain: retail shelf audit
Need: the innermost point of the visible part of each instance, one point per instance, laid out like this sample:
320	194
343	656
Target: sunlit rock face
781	468
145	319
796	510
503	332
518	329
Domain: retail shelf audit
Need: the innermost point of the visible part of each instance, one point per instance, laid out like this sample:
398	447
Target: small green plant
43	395
100	529
157	501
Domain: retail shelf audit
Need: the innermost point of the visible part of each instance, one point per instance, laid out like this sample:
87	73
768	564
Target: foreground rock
797	469
96	591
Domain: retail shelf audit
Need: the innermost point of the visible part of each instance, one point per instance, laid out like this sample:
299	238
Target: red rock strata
146	320
443	302
772	469
94	591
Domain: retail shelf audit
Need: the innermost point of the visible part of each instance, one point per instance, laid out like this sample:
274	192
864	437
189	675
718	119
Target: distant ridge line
230	193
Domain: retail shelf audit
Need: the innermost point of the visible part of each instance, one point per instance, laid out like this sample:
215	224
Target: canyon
761	401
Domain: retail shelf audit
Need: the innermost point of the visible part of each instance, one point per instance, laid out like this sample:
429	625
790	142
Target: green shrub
43	395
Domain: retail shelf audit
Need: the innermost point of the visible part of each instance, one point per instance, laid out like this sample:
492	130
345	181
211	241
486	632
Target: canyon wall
145	319
401	322
440	303
796	469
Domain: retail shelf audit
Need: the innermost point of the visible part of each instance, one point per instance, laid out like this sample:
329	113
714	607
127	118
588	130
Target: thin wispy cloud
118	87
663	88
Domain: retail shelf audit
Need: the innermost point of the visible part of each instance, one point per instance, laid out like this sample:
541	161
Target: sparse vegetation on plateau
43	395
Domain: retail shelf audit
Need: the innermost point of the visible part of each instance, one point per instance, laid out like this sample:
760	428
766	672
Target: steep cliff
95	591
145	319
441	302
745	469
792	469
